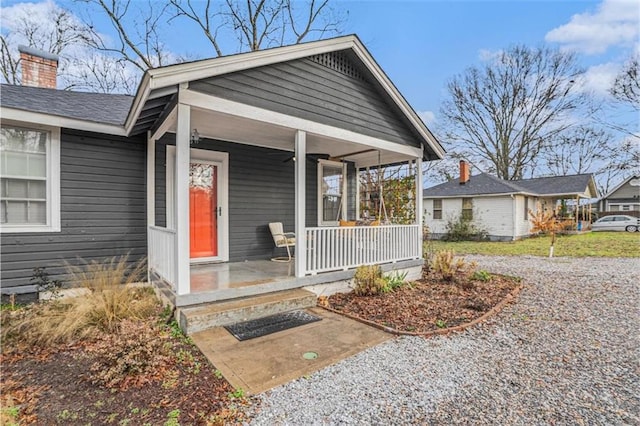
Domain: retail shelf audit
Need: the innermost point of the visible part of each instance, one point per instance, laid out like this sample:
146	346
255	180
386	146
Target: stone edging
490	313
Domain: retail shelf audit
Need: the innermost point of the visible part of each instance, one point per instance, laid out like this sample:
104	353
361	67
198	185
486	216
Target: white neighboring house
499	206
623	198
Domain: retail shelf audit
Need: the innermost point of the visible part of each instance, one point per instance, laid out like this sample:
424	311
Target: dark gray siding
261	190
102	210
305	89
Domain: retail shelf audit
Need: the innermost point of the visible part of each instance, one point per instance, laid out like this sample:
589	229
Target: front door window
203	210
331	192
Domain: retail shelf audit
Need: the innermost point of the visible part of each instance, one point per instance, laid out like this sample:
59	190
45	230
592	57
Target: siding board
308	90
102	187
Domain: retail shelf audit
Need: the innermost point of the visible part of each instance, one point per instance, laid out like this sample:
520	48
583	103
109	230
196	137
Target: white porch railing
336	248
162	249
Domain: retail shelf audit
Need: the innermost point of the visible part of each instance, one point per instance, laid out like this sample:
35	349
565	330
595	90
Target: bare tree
626	87
585	149
503	113
137	26
259	24
580	150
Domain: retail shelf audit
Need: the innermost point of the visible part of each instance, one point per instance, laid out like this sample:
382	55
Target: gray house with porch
190	171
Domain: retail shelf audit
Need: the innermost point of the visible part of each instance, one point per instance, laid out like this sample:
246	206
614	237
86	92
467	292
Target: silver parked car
618	222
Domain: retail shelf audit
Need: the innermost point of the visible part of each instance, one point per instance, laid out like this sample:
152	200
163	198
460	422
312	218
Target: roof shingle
484	184
97	107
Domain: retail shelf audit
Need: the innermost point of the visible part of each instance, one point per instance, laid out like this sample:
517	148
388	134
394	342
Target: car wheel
631	228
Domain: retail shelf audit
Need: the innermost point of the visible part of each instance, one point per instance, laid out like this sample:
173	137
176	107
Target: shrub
134	355
395	280
368	281
461	229
481	275
110	299
445	264
44	283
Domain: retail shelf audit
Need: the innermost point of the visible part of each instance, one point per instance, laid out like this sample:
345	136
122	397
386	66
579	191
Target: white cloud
614	23
427	117
598	79
487	55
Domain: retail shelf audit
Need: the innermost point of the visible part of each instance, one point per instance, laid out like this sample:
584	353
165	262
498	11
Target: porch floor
221	276
223	281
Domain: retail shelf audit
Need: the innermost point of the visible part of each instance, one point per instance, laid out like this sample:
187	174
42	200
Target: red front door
203	210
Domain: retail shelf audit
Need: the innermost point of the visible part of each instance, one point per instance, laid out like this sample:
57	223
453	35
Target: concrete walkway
260	364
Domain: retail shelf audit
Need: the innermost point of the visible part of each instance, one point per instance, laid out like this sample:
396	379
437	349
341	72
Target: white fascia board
213	103
392	91
181	73
138	102
57	121
564	195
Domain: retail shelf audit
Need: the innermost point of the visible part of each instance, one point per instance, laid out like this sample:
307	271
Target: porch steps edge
216	314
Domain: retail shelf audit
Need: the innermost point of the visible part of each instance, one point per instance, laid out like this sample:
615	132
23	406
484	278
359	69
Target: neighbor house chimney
464	172
39	68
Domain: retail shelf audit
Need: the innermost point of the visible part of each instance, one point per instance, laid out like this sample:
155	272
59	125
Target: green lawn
592	244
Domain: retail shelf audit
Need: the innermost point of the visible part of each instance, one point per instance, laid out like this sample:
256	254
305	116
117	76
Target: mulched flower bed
429	304
56	387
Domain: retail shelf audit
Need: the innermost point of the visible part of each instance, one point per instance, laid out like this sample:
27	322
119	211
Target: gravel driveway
567	352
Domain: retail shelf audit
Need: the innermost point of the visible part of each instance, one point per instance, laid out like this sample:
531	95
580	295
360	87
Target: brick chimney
39	68
464	172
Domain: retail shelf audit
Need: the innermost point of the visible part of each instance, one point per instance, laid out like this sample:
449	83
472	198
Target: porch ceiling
217	125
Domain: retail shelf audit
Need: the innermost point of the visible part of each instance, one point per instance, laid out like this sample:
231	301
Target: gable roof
620	185
482	184
487	185
94	107
562	185
159	86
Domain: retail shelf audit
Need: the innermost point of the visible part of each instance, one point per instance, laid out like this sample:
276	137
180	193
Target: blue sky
421	44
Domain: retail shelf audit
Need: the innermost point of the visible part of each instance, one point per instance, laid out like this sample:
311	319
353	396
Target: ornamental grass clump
368	281
110	298
448	266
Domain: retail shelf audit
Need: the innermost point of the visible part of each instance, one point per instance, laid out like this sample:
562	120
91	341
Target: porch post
300	203
181	205
419	207
151	180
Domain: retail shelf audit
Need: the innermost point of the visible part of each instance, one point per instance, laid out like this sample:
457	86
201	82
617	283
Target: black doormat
271	324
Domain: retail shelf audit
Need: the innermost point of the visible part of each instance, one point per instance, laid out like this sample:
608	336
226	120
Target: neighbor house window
332	180
437	209
467	208
29	179
526	208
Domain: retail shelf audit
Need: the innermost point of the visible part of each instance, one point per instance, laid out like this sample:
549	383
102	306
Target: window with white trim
29	179
332	194
437	209
467	209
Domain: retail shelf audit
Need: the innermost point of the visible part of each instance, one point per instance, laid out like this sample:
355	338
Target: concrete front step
228	312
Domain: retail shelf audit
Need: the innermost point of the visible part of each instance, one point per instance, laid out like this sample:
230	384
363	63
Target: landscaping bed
430	304
72	385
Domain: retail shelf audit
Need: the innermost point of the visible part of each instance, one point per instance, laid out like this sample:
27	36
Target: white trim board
37	118
52	182
225	106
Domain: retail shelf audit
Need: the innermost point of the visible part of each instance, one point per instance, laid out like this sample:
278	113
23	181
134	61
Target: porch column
300	203
419	207
181	205
151	180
